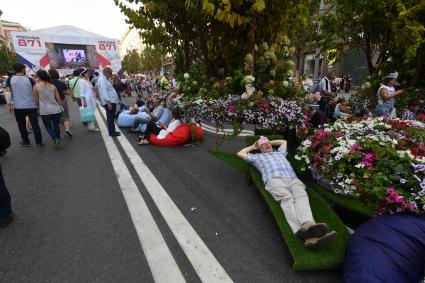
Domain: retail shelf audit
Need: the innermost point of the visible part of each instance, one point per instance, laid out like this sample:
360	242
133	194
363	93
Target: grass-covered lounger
328	257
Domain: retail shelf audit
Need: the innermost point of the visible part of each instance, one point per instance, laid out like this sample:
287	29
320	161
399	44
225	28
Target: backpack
4	139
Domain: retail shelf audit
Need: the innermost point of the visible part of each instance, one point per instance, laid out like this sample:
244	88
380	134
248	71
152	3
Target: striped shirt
272	165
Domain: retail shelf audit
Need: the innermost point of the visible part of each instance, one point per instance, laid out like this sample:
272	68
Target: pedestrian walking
109	99
22	103
75	87
87	95
48	101
63	91
6	214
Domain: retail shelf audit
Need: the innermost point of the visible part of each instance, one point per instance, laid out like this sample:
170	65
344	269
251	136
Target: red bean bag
180	136
199	132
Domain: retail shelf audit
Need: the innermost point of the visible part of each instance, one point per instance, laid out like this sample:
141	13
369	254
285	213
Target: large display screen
74	56
71	56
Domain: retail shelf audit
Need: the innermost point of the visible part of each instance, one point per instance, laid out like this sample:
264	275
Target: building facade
6	28
131	40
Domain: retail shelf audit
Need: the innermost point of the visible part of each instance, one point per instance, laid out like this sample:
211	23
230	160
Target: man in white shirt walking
326	93
109	99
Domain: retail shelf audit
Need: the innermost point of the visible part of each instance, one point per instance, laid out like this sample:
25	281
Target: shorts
65	112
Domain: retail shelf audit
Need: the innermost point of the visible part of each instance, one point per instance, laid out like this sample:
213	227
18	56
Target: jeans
110	118
5	206
151	128
51	122
20	115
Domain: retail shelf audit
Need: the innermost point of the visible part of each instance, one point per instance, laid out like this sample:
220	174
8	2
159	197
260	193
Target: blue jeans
5	206
51	122
110	118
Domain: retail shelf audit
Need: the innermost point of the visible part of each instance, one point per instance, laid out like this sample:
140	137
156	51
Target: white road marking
161	262
213	130
204	262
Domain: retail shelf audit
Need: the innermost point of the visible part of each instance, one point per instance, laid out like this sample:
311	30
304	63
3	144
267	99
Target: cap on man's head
262	140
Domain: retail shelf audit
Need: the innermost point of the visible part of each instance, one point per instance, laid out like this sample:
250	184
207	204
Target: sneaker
312	230
94	130
57	143
6	220
314	243
40	145
68	132
116	134
25	144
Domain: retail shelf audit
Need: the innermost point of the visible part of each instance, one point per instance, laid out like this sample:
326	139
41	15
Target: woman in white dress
88	98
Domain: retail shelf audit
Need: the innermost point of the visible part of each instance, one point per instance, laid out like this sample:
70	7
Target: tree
151	58
131	63
390	32
7	59
217	33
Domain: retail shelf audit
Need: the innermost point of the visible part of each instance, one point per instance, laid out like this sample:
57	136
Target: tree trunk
420	57
368	51
298	58
251	46
204	49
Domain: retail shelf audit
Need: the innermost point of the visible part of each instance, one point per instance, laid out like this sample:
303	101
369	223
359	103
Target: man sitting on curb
282	183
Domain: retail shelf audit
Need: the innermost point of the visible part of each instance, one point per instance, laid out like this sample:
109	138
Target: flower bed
379	162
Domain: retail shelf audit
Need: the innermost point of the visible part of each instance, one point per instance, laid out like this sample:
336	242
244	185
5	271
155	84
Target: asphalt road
74	225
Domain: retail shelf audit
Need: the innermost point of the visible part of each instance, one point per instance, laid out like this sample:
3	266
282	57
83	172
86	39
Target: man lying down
282	183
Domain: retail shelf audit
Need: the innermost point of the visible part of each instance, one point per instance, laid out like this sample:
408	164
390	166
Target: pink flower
232	108
356	147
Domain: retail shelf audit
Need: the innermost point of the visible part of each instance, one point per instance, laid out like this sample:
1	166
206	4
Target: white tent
66	48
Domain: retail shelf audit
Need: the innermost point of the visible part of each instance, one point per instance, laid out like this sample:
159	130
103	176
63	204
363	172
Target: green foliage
150	58
131	63
392	31
7	59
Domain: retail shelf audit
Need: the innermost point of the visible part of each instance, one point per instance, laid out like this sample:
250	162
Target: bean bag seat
165	118
387	249
179	136
125	120
199	132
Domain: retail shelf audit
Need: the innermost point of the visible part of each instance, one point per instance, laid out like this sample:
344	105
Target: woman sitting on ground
161	130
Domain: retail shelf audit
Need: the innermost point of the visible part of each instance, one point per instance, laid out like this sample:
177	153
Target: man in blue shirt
109	99
282	183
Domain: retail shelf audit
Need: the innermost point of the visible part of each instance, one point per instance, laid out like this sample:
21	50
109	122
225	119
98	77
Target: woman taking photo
386	97
161	130
48	101
87	95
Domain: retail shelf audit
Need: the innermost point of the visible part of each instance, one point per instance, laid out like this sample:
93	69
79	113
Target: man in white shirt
109	99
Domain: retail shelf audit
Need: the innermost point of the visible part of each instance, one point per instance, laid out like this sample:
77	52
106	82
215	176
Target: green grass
329	257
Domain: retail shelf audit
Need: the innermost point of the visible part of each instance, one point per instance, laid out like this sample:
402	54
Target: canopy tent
66	48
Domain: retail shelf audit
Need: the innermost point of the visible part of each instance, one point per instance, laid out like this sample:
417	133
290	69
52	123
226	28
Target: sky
98	16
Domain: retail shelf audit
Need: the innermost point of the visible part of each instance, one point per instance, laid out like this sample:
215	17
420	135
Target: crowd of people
326	106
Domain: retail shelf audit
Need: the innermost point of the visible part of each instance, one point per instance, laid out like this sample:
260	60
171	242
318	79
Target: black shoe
40	145
116	134
25	144
68	132
5	221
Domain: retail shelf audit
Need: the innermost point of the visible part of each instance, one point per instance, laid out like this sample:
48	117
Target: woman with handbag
48	101
88	99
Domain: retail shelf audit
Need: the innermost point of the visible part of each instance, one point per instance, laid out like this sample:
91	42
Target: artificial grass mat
329	257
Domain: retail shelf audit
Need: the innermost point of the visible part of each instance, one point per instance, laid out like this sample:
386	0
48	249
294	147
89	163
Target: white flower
403	181
186	75
285	83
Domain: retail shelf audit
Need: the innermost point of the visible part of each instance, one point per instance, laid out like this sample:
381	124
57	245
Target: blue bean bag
165	118
387	249
125	120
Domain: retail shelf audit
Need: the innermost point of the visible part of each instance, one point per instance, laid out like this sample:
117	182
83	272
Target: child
412	109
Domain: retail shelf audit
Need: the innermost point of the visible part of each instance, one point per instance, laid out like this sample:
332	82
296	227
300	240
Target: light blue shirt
272	165
107	92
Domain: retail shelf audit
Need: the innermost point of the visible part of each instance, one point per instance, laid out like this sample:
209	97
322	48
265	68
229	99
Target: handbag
87	114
